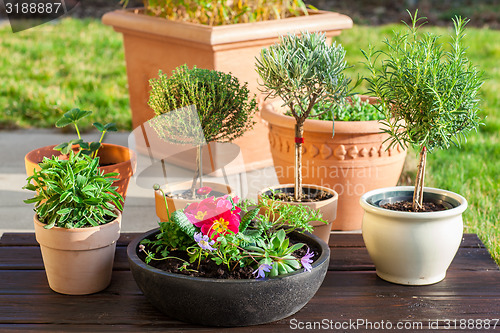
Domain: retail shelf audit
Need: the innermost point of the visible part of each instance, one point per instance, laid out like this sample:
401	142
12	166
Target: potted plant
430	98
112	158
179	32
351	162
196	107
77	222
220	251
302	71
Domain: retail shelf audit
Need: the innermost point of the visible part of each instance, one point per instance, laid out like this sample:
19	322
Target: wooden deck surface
351	299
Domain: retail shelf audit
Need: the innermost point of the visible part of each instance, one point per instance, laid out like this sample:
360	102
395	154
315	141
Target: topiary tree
303	70
429	95
222	108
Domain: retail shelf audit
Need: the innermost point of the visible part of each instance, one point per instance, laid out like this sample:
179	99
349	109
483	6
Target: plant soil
287	195
406	206
209	269
188	195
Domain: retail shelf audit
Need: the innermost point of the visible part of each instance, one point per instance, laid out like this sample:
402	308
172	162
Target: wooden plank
358	259
22	282
342	259
336	240
28	239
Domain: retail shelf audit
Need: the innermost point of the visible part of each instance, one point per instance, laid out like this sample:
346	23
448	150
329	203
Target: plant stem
299	132
77	131
197	173
418	194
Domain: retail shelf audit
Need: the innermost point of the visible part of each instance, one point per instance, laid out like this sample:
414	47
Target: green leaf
63	122
94	146
61	146
64	211
111	127
33	200
181	220
99	127
80	180
247	218
74	115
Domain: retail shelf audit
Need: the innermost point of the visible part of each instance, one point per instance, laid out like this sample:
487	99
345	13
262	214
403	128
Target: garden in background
76	62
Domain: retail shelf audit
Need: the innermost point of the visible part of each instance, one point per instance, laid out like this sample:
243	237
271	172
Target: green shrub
357	110
73	193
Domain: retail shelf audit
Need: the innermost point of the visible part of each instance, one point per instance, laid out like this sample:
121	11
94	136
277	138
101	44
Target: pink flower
214	217
205	190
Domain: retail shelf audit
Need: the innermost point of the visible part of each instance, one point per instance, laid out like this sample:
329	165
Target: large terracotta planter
328	208
153	43
112	158
175	204
412	248
228	302
78	261
352	163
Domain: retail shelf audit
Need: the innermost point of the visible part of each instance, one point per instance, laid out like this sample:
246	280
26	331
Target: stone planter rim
367	204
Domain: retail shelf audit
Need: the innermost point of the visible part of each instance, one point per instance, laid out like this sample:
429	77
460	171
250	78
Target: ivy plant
429	95
73	193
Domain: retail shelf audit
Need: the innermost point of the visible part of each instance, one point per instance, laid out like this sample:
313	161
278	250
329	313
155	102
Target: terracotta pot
113	158
353	162
153	43
248	301
412	248
328	208
78	261
175	204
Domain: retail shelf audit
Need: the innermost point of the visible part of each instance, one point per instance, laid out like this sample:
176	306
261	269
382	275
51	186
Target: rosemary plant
304	70
429	95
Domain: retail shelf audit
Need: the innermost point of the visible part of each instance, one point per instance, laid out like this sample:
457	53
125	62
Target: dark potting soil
308	195
188	194
209	269
406	206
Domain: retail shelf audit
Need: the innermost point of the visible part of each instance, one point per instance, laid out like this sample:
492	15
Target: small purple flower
306	260
203	241
141	248
261	270
205	190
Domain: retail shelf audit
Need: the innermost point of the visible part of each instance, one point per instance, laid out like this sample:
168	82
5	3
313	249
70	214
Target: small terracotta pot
352	163
78	261
113	158
175	204
328	208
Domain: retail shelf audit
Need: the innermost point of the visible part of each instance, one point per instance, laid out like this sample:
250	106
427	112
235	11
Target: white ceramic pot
412	248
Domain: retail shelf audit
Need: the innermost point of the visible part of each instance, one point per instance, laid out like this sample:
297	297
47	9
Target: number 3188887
32	8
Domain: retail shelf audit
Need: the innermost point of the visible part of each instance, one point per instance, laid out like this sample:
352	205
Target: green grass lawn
80	63
50	69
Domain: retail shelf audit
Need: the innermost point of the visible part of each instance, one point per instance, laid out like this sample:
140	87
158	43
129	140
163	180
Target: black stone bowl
222	302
